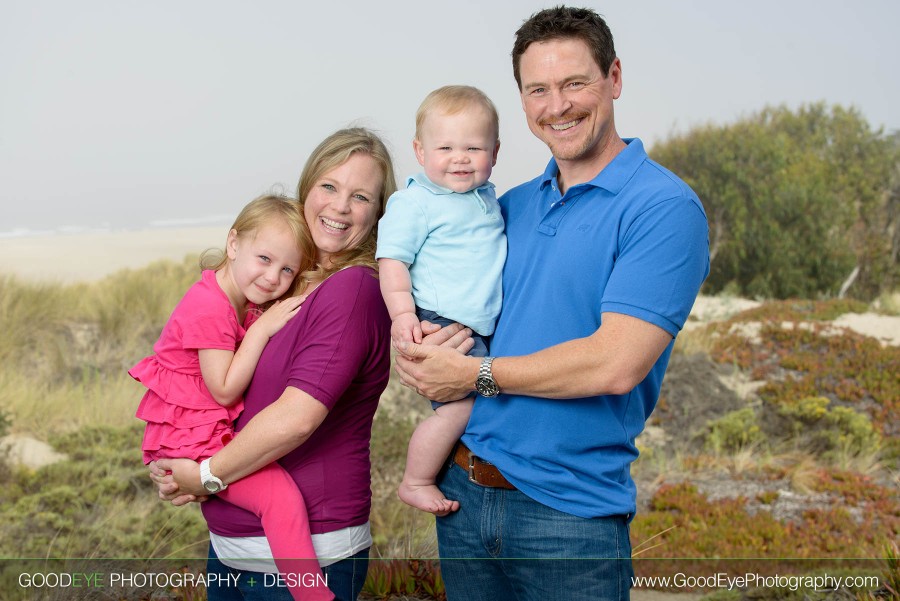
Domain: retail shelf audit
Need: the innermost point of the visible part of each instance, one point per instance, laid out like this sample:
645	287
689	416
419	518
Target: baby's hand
278	315
406	326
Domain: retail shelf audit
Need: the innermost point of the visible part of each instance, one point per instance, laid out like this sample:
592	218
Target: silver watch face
486	386
212	486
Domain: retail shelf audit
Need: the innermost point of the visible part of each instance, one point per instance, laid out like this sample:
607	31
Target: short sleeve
663	258
403	228
207	321
348	321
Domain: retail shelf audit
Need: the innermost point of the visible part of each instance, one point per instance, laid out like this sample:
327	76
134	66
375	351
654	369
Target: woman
313	396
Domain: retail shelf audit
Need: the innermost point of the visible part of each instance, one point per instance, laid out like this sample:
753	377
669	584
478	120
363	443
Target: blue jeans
501	544
345	579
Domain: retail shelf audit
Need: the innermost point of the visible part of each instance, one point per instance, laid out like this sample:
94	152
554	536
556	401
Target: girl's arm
227	373
396	288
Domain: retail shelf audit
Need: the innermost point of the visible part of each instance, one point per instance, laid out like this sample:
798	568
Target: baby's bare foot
427	498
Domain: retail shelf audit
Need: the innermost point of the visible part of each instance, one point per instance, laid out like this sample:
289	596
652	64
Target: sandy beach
80	257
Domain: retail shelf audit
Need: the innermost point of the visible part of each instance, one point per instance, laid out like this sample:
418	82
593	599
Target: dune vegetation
791	466
797	473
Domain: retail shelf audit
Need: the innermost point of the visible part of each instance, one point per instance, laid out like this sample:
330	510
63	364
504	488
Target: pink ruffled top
183	419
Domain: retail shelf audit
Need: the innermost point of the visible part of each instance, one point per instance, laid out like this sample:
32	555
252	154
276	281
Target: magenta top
337	350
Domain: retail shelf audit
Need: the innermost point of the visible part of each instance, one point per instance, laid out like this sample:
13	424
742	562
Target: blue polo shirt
454	246
633	240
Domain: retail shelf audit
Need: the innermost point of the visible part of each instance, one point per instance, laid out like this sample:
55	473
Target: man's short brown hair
564	22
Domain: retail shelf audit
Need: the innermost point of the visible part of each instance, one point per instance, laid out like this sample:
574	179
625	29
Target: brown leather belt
480	471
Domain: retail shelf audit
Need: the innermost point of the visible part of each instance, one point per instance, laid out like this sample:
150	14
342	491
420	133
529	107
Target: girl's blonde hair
333	152
265	209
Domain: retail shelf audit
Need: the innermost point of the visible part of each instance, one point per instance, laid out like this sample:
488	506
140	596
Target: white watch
210	482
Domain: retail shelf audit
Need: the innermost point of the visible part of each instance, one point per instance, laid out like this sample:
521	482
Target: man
606	253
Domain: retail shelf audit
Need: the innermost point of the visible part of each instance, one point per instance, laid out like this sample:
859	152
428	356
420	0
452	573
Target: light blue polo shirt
633	240
454	246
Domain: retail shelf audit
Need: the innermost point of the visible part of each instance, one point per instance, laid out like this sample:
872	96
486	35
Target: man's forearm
612	360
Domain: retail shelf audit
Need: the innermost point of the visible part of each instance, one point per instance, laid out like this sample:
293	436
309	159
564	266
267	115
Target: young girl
204	360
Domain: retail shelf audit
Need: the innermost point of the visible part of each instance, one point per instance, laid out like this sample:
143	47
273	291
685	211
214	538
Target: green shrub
807	360
834	432
685	526
734	431
796	199
97	503
800	309
405	577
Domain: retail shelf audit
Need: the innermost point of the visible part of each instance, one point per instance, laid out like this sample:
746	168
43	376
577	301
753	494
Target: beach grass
66	349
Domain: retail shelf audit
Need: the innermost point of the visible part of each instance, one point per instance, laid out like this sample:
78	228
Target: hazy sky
122	113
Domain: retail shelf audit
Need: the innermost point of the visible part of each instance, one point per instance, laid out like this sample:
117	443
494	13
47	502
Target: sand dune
90	256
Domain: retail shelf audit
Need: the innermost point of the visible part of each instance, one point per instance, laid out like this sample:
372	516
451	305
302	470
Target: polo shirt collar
614	176
422	180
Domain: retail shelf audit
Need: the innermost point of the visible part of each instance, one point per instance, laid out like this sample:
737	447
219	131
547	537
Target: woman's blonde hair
265	209
333	152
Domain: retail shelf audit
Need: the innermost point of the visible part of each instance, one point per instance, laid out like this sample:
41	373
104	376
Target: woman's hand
177	480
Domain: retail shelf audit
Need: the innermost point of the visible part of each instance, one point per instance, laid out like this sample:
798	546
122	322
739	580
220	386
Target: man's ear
615	71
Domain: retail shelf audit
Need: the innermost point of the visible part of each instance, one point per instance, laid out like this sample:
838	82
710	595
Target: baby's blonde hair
451	100
270	208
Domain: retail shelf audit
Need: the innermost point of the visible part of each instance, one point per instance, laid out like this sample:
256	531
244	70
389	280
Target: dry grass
696	339
888	303
62	370
399	531
41	409
66	349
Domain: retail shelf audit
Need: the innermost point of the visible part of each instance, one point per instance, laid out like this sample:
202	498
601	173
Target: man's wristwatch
210	482
485	384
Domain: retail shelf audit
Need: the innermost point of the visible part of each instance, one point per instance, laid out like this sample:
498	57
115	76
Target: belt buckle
472	469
